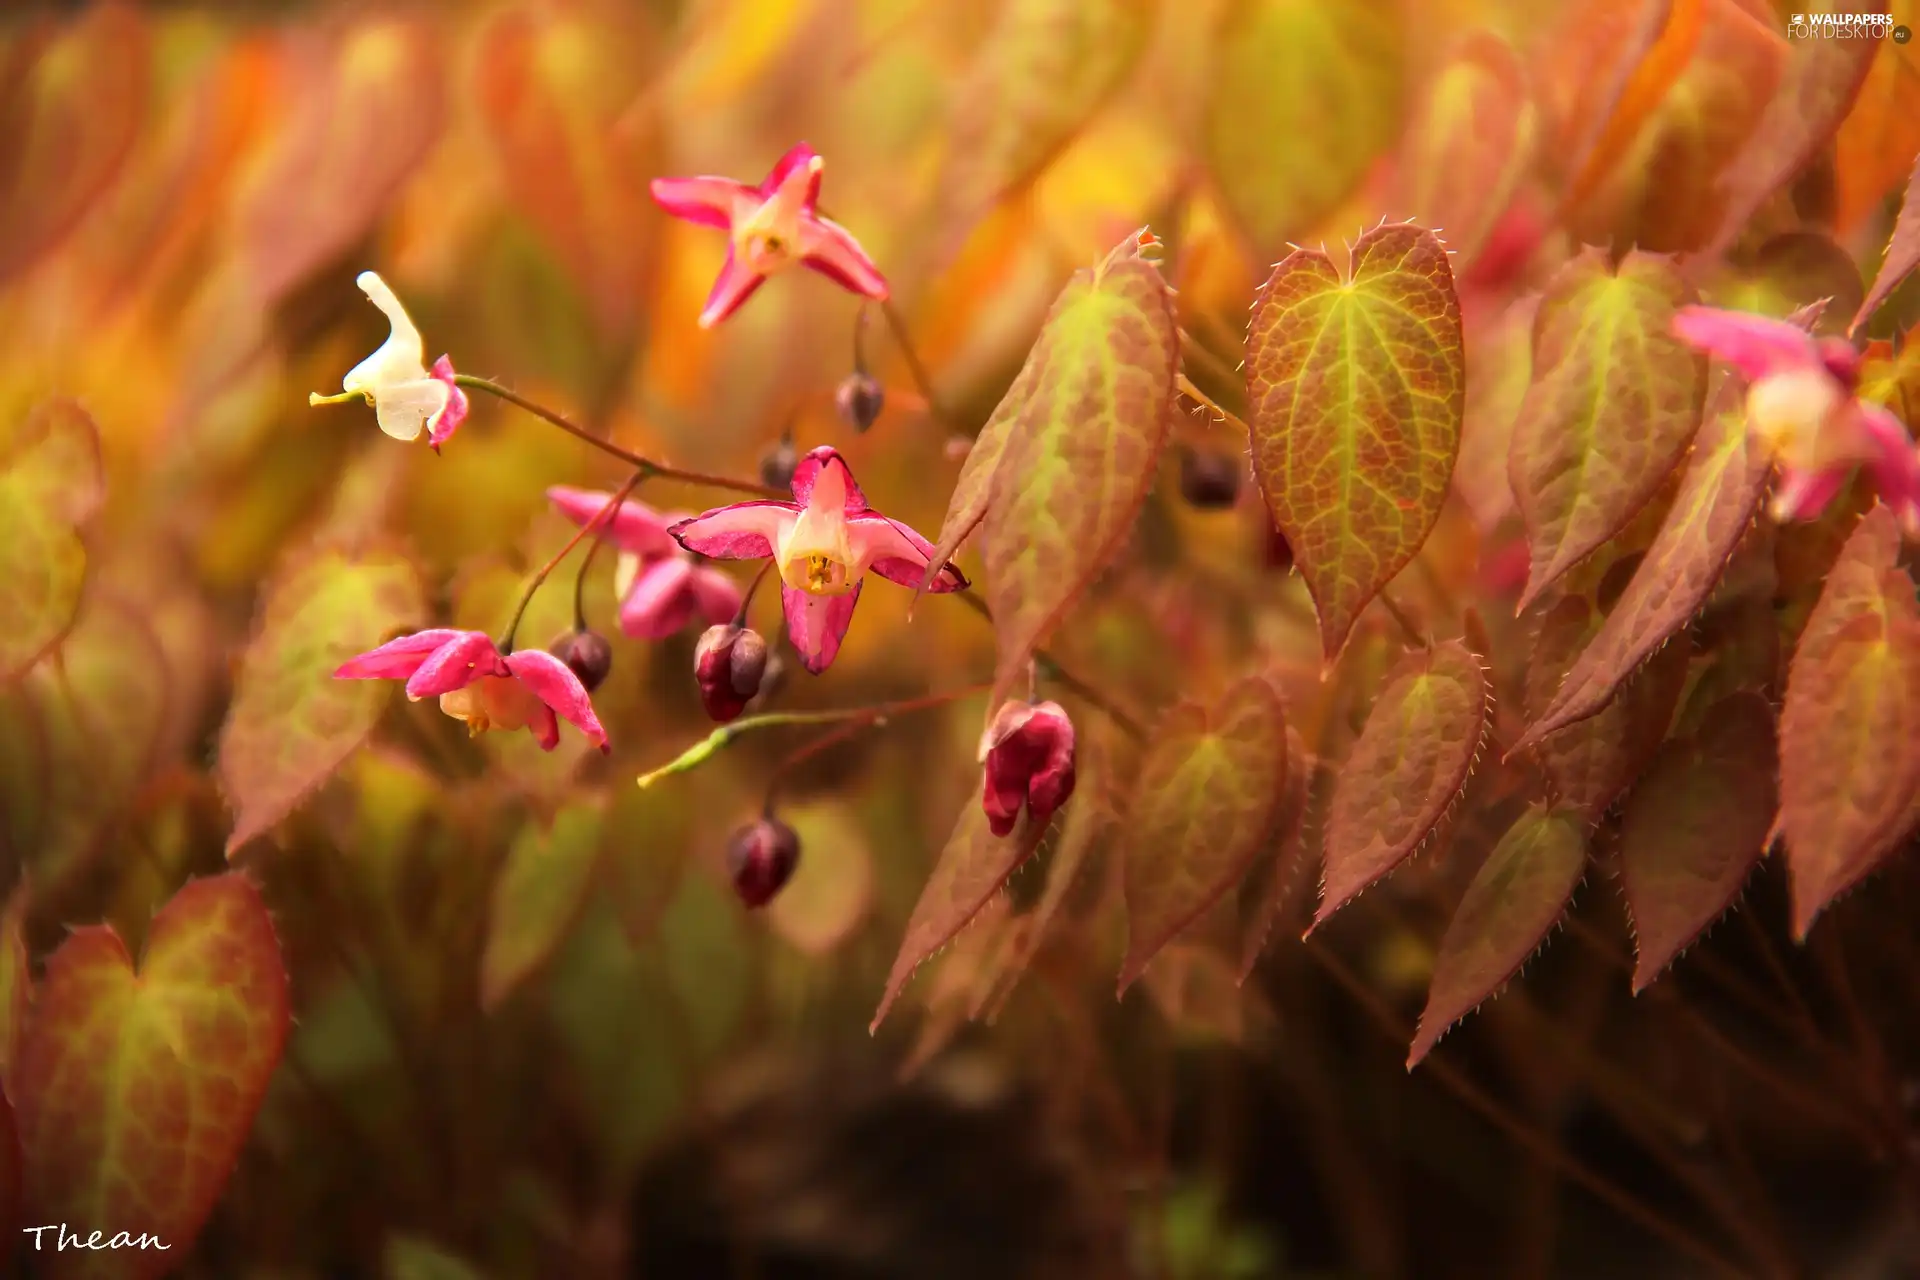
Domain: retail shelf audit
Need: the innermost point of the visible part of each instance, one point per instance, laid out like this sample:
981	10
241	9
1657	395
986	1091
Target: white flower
408	398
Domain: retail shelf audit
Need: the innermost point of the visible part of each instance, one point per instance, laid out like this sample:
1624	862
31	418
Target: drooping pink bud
1029	756
761	858
587	654
728	665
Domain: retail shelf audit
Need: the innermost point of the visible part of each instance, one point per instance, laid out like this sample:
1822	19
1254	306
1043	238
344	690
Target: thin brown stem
922	380
1207	402
1415	636
526	597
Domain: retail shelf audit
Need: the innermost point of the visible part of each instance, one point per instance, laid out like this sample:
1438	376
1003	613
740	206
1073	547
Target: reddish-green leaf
971	869
1589	764
16	983
1356	388
537	897
1516	897
1499	371
1850	727
1305	95
1693	828
50	482
1719	496
1902	256
1420	742
1281	868
1614	401
1210	789
136	1090
1469	143
292	723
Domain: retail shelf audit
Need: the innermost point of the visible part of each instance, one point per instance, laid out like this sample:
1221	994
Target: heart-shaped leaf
1355	388
51	482
1902	256
136	1090
1694	826
537	898
1614	401
1850	726
1719	496
1517	896
1210	788
1420	742
292	724
1306	94
1590	763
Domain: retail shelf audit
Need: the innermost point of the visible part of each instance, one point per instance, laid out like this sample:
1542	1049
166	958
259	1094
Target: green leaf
1719	496
1355	390
1420	742
1850	726
292	724
1470	142
51	481
136	1091
1694	826
1513	901
537	898
1902	256
1589	764
1614	401
1306	95
1210	790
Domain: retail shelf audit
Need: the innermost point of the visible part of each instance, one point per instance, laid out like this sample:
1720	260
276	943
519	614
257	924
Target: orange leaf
1877	145
1280	868
51	482
1646	86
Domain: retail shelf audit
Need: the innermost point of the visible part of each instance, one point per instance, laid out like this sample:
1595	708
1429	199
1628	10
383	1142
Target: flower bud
858	399
587	654
1028	751
728	665
1209	480
777	464
761	858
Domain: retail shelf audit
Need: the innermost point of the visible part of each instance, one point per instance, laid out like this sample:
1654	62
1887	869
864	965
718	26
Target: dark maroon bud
1279	552
771	683
777	464
1028	751
587	654
1209	480
728	665
859	399
761	859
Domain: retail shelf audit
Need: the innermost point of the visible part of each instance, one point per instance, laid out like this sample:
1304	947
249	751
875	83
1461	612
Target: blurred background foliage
536	1035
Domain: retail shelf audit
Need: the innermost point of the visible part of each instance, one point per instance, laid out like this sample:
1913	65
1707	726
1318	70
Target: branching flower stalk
539	577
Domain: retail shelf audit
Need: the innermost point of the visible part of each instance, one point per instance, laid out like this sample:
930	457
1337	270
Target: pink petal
659	603
1803	495
717	595
544	728
734	285
634	526
897	553
455	665
824	465
1895	465
399	658
830	249
816	624
743	531
800	157
448	421
707	200
1755	345
554	684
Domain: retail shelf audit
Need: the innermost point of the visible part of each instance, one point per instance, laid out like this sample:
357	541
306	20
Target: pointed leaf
1420	742
1355	390
1515	899
292	724
537	897
1902	256
50	483
1693	828
1469	144
1850	726
1614	401
16	985
1589	764
1210	789
1876	147
1306	94
1719	496
1283	865
135	1091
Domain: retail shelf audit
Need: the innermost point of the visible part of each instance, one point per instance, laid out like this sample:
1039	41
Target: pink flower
407	397
475	683
822	543
1029	757
771	227
1802	405
660	586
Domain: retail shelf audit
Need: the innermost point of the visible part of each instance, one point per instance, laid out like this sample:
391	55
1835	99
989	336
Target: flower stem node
761	858
1028	751
587	654
1209	480
858	400
407	397
729	664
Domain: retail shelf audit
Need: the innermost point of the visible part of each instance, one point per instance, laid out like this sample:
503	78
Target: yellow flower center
817	574
496	702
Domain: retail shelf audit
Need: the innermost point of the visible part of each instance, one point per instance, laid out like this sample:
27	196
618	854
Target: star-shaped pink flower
476	683
661	586
822	544
1803	406
770	228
